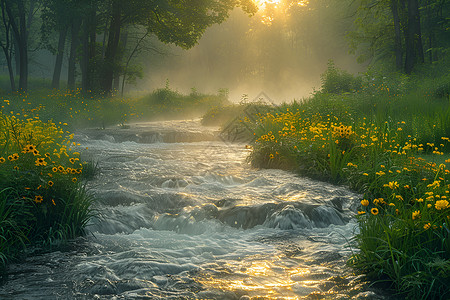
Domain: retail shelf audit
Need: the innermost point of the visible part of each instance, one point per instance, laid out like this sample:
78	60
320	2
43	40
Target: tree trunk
111	49
398	39
16	53
88	41
20	35
414	48
75	41
59	58
10	68
123	43
23	48
84	62
7	46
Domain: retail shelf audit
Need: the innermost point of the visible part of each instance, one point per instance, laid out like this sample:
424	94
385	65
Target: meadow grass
78	109
389	142
166	104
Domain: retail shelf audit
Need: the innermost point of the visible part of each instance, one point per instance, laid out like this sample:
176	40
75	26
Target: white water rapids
184	216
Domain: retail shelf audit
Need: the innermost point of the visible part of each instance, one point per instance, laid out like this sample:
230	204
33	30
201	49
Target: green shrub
336	81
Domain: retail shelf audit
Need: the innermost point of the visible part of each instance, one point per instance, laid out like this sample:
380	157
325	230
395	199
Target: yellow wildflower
364	202
441	204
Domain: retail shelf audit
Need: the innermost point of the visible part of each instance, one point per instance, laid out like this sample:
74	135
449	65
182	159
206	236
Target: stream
184	216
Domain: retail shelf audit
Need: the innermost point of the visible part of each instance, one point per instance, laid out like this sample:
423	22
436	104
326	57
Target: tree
57	16
393	28
15	11
178	22
7	45
413	37
19	15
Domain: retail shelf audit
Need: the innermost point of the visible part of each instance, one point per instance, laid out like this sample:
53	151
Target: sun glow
269	10
262	4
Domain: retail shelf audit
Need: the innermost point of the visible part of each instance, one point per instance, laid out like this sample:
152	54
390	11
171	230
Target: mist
247	56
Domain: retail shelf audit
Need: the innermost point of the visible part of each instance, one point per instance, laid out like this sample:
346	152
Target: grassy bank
389	139
43	200
80	110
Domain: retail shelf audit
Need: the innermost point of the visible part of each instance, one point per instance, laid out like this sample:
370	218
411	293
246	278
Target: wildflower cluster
40	193
45	156
70	107
406	197
342	131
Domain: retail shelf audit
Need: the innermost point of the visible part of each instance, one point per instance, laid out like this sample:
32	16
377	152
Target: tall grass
42	197
80	110
163	104
390	142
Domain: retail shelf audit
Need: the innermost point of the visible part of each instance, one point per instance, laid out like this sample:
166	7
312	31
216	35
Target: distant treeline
101	39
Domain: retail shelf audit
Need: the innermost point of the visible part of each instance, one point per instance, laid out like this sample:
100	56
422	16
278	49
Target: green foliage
373	36
220	115
389	141
234	113
168	104
336	81
13	233
71	107
42	198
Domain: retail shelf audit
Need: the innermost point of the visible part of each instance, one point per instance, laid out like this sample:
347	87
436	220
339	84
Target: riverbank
43	199
392	145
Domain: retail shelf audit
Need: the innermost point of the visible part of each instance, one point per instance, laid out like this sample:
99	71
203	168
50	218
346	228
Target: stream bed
184	216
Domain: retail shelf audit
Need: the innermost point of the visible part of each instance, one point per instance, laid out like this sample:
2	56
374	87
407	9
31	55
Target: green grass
164	104
389	140
80	110
43	199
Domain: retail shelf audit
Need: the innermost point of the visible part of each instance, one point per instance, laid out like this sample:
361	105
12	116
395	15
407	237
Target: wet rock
289	217
357	289
357	279
103	287
291	250
323	216
227	202
340	297
315	296
337	203
160	280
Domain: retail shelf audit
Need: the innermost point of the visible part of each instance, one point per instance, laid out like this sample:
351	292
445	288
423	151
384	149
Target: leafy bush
168	104
336	81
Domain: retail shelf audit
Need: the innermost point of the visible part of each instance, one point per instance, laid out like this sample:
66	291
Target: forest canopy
98	43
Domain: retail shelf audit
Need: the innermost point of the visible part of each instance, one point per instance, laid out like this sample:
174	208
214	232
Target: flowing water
183	216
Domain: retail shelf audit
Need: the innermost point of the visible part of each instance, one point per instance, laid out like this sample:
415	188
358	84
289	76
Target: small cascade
183	216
